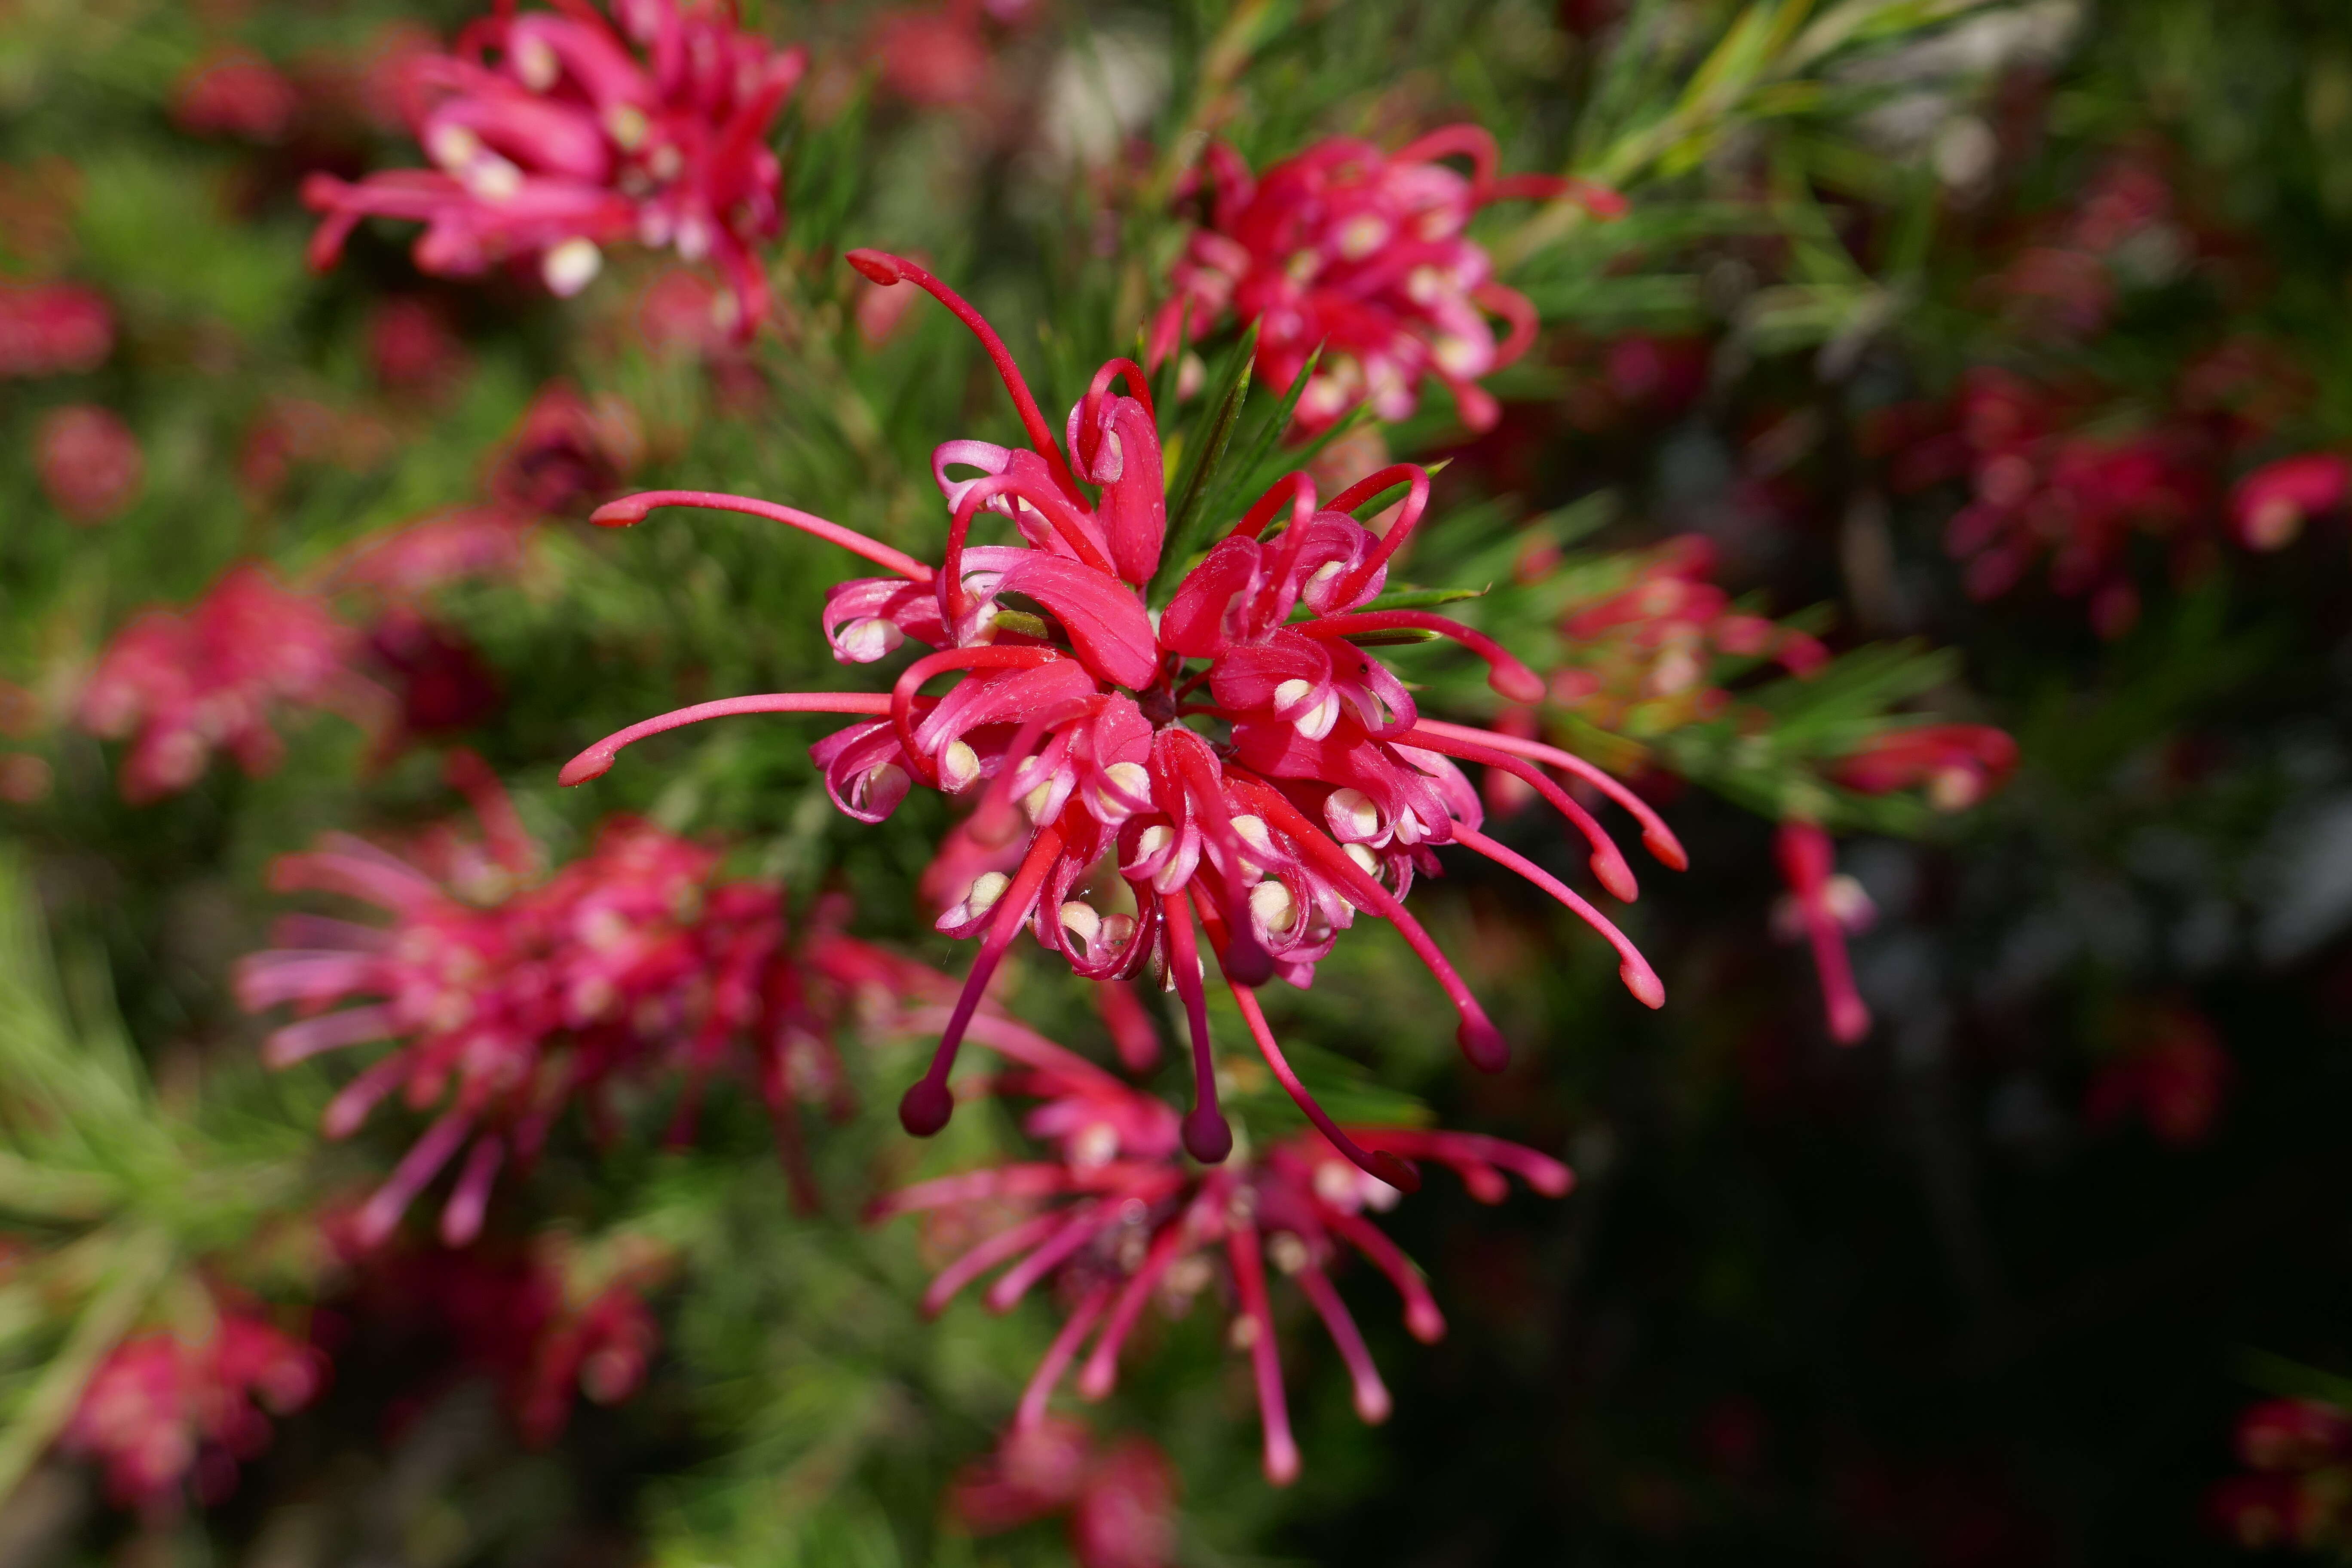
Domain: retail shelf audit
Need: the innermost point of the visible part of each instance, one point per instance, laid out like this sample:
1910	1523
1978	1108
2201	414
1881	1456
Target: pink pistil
1208	1137
929	1102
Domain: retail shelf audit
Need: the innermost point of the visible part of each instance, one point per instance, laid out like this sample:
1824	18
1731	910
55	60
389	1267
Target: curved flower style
510	995
1823	906
1118	1218
554	135
179	686
161	1410
1362	253
1326	793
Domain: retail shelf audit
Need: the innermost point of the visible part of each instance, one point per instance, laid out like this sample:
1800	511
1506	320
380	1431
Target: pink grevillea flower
412	558
181	686
161	1412
554	134
1957	764
234	92
1250	774
1645	656
1822	907
2270	505
1121	1500
508	994
1364	254
53	329
89	462
1118	1219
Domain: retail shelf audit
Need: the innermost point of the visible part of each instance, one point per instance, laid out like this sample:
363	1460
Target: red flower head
89	462
1363	254
1250	772
160	1411
178	686
1120	1217
508	994
1959	765
51	328
1823	906
2270	505
1121	1501
553	134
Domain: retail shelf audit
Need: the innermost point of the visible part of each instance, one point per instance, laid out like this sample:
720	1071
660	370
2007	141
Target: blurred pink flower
161	1413
179	686
509	993
1120	1219
1822	907
553	135
1069	726
411	348
1365	253
1958	765
52	329
234	92
566	452
2270	506
1121	1500
2170	1071
89	462
2301	1453
1643	658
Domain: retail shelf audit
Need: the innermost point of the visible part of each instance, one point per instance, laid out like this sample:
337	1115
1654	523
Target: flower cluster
2049	483
1365	256
181	686
53	329
1645	653
1121	1501
234	92
162	1412
509	994
2299	1493
1249	772
554	134
1120	1219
